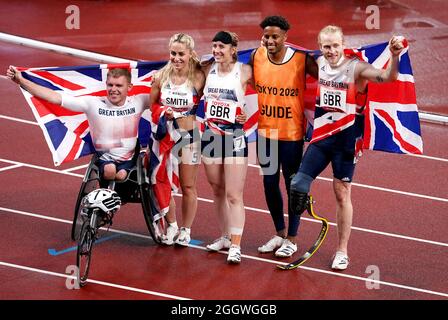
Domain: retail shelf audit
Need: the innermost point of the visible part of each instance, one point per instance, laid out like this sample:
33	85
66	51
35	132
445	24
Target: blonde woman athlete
178	86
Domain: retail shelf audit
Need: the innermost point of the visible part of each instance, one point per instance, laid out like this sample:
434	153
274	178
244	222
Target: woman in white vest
178	86
223	143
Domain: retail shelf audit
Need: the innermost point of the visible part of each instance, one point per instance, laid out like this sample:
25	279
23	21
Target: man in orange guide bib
279	75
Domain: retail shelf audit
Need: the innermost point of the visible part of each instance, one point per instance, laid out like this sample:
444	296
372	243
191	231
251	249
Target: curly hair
275	21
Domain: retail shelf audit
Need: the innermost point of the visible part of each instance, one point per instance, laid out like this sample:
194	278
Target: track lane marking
410	155
343	275
102	283
10	167
255	209
18	120
417	195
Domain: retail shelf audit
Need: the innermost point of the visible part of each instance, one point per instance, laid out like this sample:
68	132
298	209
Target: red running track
400	203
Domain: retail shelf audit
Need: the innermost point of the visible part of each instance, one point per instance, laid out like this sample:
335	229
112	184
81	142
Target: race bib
239	143
333	99
221	109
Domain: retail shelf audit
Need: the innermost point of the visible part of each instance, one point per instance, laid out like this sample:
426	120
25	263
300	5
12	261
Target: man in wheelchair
113	120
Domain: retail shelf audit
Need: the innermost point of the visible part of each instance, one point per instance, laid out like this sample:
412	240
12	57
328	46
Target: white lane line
257	209
102	283
405	193
42	168
76	168
10	167
18	120
252	165
417	195
344	275
353	228
320	178
39	216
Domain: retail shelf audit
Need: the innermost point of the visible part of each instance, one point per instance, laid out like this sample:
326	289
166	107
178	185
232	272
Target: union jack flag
162	162
391	116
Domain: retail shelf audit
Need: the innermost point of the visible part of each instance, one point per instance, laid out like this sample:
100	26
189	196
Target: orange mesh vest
280	89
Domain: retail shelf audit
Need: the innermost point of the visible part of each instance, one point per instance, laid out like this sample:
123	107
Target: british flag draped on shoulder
164	164
391	114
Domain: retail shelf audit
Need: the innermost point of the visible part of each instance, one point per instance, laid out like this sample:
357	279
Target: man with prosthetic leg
338	128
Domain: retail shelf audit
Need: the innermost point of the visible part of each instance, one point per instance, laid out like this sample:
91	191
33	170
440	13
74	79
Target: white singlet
113	129
223	96
181	98
337	88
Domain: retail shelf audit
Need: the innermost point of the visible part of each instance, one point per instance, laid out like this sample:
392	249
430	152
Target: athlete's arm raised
365	71
33	88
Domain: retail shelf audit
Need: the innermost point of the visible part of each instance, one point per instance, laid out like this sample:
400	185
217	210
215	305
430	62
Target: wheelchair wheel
156	224
91	182
84	252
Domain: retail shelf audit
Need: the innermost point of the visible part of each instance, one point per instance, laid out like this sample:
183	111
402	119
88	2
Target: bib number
239	143
221	110
333	99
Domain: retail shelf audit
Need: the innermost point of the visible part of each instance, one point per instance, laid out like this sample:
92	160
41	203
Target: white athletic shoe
171	233
271	245
234	255
340	261
286	250
219	244
183	238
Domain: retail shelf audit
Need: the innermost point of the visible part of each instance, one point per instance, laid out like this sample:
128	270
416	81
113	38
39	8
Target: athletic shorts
231	145
188	147
338	149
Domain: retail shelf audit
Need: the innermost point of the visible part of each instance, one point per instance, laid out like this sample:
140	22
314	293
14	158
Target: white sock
174	224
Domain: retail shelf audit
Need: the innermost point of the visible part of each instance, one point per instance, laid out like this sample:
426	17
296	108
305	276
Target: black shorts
231	145
187	148
188	137
338	149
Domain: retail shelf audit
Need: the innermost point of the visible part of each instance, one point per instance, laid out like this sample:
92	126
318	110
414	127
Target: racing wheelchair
136	188
97	210
99	199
